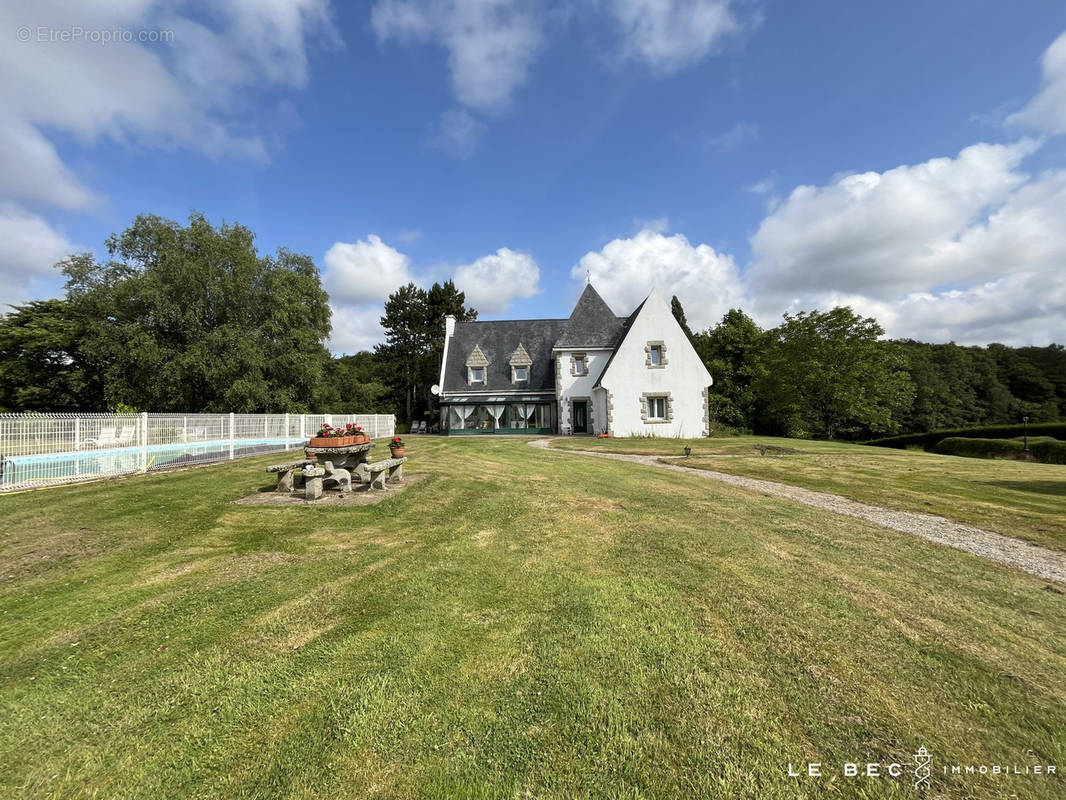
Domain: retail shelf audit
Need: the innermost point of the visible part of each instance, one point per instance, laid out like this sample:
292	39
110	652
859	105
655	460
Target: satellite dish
435	388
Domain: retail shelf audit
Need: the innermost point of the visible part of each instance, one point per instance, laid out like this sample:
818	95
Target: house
593	373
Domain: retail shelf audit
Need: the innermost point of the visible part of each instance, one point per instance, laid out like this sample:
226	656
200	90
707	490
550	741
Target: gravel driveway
1039	561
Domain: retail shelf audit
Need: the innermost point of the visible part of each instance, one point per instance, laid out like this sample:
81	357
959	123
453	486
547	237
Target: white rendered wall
571	386
684	377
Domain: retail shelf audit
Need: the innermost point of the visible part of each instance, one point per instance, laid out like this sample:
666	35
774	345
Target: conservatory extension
498	415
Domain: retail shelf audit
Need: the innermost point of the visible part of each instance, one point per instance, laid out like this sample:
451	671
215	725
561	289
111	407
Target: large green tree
191	317
828	373
41	365
733	351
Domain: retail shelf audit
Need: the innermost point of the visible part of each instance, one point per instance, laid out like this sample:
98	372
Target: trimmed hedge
930	438
1044	449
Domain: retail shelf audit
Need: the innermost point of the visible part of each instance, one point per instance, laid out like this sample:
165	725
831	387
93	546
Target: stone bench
287	474
379	473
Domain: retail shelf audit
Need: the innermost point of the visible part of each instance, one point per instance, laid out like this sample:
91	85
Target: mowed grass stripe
519	622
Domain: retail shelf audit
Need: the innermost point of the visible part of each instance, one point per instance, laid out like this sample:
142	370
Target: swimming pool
37	470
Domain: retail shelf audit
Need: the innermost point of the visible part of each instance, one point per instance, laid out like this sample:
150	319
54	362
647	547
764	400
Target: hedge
930	438
1044	449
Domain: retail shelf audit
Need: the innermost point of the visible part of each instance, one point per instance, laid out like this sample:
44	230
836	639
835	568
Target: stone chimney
449	326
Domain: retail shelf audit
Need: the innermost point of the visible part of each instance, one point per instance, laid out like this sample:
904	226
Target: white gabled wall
684	377
570	386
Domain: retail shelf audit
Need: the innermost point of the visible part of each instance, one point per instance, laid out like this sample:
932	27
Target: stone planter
397	452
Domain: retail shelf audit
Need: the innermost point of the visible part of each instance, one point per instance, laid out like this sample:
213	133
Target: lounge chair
127	435
105	439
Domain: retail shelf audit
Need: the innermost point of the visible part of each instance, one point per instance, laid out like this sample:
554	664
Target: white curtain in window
497	412
461	413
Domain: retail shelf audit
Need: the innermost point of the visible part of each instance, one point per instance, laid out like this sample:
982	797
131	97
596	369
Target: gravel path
1039	561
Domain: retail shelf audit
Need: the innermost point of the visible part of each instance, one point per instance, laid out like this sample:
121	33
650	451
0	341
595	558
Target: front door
581	416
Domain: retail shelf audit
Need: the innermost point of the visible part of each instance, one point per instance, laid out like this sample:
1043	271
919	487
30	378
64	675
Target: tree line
190	317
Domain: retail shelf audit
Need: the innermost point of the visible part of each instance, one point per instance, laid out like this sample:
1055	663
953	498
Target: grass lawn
1017	498
522	623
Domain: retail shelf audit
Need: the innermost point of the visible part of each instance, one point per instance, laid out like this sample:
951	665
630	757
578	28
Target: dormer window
520	362
476	366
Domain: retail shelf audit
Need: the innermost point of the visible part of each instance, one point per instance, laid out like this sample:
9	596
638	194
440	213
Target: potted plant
357	431
396	447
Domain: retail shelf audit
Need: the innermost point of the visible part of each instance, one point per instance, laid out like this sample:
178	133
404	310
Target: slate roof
498	341
592	323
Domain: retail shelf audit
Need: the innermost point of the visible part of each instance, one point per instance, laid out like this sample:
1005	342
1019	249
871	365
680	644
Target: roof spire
588	276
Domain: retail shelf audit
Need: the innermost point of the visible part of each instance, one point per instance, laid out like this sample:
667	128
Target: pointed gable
592	324
520	357
477	358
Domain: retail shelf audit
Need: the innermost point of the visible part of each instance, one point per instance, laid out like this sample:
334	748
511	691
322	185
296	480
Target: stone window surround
662	354
573	365
644	416
470	376
514	373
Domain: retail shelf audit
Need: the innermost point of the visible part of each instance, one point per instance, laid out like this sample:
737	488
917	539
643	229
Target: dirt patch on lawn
359	496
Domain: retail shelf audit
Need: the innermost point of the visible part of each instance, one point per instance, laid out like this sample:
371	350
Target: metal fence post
231	436
286	430
185	429
144	441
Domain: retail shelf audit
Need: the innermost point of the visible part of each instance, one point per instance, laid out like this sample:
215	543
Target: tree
191	318
41	365
355	384
679	314
828	373
414	340
733	352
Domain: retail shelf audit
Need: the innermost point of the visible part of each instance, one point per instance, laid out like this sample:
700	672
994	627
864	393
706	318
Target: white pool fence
48	449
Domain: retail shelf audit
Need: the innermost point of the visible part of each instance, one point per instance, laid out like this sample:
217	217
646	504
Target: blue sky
907	159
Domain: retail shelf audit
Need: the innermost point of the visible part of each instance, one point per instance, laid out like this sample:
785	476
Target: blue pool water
59	466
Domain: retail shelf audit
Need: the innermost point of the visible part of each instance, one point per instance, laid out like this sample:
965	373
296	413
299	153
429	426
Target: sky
907	159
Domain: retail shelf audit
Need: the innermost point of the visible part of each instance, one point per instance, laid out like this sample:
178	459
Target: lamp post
1025	422
688	451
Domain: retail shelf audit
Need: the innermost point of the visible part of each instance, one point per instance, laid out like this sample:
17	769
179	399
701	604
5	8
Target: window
656	408
477	374
521	374
580	365
656	356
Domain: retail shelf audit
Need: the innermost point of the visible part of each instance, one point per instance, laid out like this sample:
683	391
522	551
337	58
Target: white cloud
367	271
191	91
459	133
29	249
490	43
669	35
907	228
1047	111
493	282
360	275
707	282
355	328
966	248
729	140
